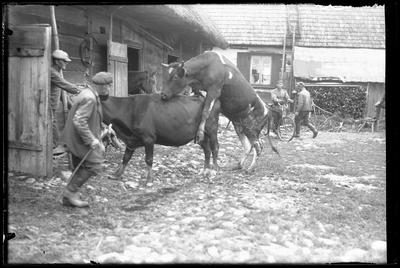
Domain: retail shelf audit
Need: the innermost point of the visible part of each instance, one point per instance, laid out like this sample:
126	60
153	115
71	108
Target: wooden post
283	53
63	93
292	71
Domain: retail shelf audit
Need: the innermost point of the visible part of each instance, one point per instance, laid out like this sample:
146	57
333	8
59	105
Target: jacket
57	81
279	95
83	125
304	103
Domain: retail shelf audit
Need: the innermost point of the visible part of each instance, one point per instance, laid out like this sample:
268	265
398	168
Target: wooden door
117	55
29	120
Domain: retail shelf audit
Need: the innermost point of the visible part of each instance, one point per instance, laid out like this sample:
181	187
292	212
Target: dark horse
141	82
145	120
224	82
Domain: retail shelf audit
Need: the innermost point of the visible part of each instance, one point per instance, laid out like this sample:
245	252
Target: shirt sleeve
60	82
300	103
80	120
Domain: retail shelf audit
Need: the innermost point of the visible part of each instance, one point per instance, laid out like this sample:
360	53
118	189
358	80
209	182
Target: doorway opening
172	59
133	59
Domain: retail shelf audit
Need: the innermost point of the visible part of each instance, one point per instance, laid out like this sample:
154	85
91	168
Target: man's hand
97	144
296	113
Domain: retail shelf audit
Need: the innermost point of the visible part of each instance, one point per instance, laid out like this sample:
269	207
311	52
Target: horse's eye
175	77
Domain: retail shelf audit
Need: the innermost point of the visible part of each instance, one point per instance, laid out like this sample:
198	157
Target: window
172	59
260	67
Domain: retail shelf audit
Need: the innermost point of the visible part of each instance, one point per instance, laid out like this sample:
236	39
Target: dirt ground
322	200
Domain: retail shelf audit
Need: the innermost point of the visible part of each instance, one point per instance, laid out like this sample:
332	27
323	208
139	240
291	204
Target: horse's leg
214	149
213	94
205	144
245	143
121	168
149	149
212	132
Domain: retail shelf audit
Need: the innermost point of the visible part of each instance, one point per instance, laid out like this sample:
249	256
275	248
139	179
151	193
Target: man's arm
63	84
80	120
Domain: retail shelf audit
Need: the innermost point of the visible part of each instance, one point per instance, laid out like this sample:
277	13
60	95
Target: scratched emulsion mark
8	236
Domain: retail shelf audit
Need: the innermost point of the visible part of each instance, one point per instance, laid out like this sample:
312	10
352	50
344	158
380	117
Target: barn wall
72	28
81	29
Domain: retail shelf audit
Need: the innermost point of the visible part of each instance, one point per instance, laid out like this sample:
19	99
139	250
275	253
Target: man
58	83
280	98
378	106
82	133
303	109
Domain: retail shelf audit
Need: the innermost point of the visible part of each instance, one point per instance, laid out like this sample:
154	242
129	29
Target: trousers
303	118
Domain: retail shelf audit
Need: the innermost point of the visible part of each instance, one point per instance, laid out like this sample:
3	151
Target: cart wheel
286	129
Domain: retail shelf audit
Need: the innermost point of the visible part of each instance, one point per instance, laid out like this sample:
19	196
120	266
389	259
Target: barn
115	38
312	43
346	44
258	37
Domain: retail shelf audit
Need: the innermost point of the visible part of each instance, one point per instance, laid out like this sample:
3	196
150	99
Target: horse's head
148	85
176	80
151	83
109	137
141	82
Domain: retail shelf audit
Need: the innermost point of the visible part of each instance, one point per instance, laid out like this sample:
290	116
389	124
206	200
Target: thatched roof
173	19
319	26
341	26
349	64
249	24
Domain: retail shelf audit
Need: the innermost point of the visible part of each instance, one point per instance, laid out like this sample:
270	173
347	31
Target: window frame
252	54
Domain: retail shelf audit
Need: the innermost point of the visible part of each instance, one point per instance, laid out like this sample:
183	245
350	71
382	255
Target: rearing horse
224	82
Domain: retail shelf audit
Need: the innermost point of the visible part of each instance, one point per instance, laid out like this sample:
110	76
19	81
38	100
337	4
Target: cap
61	55
300	84
102	78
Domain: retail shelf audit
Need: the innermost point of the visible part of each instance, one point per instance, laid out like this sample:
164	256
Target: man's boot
70	195
313	129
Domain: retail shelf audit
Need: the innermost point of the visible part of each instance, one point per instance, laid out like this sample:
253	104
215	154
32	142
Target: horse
142	82
146	120
224	82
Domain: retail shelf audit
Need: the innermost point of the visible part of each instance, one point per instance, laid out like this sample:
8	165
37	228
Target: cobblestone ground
321	201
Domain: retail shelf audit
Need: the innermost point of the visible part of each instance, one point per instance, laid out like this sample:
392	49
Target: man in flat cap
58	83
303	109
82	133
280	99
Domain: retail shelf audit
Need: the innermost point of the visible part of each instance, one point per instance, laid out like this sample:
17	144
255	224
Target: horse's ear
164	65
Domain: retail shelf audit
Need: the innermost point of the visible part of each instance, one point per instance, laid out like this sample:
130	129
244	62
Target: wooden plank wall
29	125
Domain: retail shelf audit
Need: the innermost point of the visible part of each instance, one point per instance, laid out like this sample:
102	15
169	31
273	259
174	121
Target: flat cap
102	78
61	55
300	84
